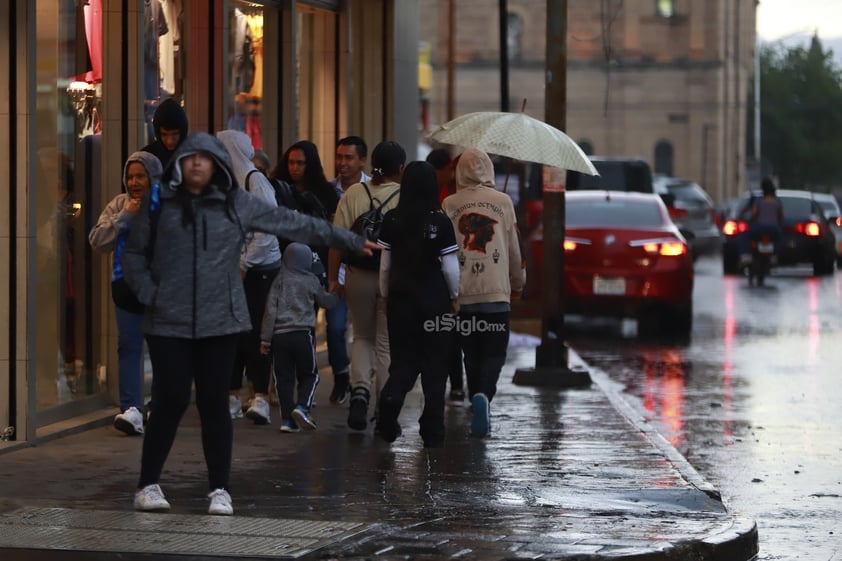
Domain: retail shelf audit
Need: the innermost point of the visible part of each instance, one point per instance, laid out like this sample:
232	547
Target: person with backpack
141	171
362	209
259	264
350	158
183	264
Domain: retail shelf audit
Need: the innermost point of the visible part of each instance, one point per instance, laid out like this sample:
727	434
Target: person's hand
133	206
454	306
335	288
515	295
265	347
369	248
243	274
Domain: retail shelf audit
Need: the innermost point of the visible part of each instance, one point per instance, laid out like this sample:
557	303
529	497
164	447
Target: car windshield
795	208
687	192
612	213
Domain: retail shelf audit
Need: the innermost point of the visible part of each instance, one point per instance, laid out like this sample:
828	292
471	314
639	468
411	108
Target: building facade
85	77
665	80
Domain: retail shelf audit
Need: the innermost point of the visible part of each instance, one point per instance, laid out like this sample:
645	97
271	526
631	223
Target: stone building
666	80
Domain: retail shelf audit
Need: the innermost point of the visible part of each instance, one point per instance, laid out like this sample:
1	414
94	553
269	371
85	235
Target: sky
777	19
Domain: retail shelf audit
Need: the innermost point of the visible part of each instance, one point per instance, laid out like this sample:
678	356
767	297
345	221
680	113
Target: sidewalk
573	474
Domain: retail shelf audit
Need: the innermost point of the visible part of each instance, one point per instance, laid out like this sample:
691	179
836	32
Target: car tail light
666	247
570	244
677	213
810	229
838	222
733	227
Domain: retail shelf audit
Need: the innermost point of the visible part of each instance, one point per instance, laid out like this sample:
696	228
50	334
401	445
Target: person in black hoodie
170	125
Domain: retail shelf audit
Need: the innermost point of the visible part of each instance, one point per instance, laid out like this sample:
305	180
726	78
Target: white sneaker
235	407
220	502
129	421
150	498
259	410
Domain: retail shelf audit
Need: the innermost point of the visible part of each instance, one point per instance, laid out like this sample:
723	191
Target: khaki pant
370	345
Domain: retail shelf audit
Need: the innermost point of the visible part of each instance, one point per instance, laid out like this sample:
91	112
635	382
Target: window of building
664	158
245	85
587	147
665	8
65	179
514	36
163	56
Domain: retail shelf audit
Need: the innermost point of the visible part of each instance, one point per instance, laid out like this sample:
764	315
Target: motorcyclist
767	216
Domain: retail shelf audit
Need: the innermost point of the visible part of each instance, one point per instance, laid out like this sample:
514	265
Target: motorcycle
762	258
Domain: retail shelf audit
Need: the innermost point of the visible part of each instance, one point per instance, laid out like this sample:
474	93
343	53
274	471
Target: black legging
176	365
257	284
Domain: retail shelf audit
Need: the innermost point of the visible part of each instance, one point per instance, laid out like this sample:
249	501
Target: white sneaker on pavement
220	503
129	421
150	499
259	410
235	407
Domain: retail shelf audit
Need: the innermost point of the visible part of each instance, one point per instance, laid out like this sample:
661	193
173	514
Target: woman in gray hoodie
182	260
141	171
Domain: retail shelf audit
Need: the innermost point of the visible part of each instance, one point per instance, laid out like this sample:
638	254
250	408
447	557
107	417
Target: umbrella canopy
517	136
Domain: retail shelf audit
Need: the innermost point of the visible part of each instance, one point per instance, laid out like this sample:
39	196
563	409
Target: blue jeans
130	358
337	347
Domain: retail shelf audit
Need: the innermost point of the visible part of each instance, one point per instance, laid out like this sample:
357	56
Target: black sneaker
339	394
457	395
358	410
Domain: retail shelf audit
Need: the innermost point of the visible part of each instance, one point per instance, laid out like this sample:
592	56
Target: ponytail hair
387	158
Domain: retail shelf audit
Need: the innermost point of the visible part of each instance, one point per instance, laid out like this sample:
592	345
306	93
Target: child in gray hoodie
287	332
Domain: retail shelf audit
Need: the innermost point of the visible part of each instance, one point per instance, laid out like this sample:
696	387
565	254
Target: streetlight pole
551	358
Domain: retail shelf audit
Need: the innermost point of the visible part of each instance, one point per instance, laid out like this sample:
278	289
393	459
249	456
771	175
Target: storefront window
163	55
66	173
245	55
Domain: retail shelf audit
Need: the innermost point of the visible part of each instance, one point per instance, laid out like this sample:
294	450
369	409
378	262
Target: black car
615	174
807	235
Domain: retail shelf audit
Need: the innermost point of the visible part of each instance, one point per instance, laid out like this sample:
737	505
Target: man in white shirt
351	154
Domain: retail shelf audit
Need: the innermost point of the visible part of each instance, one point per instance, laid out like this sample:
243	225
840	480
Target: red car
623	257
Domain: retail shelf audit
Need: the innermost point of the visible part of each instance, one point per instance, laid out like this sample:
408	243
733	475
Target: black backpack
368	224
306	203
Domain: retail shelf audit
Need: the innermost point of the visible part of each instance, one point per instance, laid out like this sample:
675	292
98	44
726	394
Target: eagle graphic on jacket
477	230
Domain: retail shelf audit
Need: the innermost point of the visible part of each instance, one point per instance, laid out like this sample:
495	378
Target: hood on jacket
147	160
203	142
298	257
170	115
241	151
474	170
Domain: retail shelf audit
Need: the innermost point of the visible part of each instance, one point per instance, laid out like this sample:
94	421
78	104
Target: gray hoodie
191	286
295	290
115	219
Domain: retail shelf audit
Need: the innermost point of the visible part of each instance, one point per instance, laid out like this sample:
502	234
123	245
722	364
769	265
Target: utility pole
551	357
503	9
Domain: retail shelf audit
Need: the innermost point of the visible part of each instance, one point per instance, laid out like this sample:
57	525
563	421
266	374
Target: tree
801	115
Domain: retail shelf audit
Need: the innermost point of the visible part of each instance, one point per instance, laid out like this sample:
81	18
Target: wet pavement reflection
752	401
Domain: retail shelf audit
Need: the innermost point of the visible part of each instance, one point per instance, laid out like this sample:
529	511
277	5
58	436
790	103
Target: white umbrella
517	136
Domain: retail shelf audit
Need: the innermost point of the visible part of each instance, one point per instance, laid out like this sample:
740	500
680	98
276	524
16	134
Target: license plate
765	247
611	286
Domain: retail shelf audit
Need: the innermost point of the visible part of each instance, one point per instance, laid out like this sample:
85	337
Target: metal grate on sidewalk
61	529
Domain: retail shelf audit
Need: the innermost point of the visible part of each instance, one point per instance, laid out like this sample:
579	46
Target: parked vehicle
693	211
807	237
832	212
623	257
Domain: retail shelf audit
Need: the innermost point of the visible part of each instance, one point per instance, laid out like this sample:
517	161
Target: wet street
752	402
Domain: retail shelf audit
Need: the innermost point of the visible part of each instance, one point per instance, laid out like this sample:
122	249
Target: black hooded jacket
169	115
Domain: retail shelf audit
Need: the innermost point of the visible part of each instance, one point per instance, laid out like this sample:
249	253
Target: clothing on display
247	72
